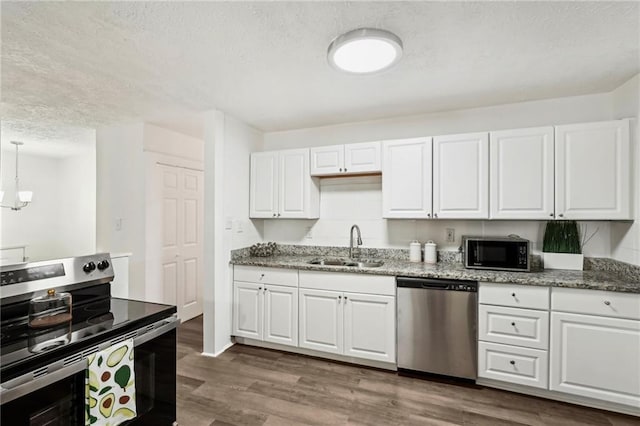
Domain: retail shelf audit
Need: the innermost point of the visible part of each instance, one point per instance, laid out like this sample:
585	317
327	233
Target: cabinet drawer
354	283
518	296
513	364
258	274
514	326
594	302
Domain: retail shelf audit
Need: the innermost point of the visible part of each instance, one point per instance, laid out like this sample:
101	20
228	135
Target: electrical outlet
309	234
451	235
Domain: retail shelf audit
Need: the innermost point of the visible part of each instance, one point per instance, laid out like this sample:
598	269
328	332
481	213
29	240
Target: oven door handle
169	324
18	387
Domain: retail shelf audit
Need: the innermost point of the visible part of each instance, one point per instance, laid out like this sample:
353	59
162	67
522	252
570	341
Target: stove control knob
103	264
88	267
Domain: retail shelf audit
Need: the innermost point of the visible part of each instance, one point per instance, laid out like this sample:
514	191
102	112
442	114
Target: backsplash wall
345	201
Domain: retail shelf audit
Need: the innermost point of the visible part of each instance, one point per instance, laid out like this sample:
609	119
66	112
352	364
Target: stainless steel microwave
496	253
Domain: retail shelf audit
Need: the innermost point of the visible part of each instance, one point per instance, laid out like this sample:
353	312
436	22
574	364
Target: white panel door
521	173
189	297
263	198
596	357
362	157
327	160
321	320
406	178
592	171
281	315
294	184
170	262
461	176
247	310
182	246
370	326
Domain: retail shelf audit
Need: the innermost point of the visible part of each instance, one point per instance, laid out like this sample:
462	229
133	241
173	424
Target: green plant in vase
562	248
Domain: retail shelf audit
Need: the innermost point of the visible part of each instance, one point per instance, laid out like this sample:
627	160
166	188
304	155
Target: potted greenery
561	246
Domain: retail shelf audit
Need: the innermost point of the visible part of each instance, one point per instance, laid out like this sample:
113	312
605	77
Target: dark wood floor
252	386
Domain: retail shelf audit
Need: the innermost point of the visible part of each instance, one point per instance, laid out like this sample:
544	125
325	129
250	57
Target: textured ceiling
68	66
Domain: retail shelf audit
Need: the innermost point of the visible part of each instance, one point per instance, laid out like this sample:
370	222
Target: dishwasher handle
436	283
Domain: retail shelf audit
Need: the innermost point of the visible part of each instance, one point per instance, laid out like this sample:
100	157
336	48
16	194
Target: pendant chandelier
22	198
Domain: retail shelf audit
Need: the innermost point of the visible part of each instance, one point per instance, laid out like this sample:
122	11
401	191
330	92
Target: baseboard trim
559	396
220	352
317	354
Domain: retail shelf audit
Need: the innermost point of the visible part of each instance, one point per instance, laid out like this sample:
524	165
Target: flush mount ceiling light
364	51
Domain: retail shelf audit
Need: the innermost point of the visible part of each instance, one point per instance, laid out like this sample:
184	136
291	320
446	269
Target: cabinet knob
278	214
560	215
274	215
550	214
428	214
340	168
512	362
606	302
259	288
435	215
345	298
513	324
261	276
345	169
513	295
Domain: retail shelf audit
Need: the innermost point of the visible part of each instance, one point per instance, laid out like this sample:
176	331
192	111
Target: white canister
430	253
415	252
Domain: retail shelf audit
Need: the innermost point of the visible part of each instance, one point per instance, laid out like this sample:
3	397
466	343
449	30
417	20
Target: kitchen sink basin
355	263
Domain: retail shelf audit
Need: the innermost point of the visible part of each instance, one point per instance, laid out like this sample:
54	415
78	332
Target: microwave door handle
26	384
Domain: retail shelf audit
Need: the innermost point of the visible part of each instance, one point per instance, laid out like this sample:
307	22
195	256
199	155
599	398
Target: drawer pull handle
606	302
512	362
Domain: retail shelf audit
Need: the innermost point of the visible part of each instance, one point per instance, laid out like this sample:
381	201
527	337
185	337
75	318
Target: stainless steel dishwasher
437	326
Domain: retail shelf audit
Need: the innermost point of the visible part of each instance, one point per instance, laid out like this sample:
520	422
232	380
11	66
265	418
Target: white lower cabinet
351	324
321	320
263	311
596	357
513	364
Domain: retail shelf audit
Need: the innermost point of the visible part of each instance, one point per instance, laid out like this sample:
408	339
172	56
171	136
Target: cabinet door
327	160
299	194
247	310
263	198
362	157
281	315
406	178
521	173
370	326
321	322
592	171
596	357
461	176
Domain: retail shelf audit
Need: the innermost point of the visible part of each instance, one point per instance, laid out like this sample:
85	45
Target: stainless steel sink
355	263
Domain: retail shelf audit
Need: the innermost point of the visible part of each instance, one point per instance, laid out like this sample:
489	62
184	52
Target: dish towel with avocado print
111	389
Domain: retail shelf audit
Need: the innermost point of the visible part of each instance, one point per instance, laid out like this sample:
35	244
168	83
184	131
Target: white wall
120	180
345	201
625	236
228	145
60	221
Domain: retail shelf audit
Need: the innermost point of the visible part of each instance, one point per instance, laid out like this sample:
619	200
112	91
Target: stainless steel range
43	369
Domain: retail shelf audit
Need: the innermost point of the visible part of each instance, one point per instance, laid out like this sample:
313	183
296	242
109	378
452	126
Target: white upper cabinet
406	178
592	165
461	176
356	158
264	184
281	186
521	174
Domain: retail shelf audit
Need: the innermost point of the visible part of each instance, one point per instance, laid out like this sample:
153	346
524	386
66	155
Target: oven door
59	398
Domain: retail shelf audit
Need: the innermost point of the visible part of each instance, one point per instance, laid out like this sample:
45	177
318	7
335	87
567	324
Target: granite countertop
589	279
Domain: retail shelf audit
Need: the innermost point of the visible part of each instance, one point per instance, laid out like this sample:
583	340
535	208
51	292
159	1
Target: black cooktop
24	349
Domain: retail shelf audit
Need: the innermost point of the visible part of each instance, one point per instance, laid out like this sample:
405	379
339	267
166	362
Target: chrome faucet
359	242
